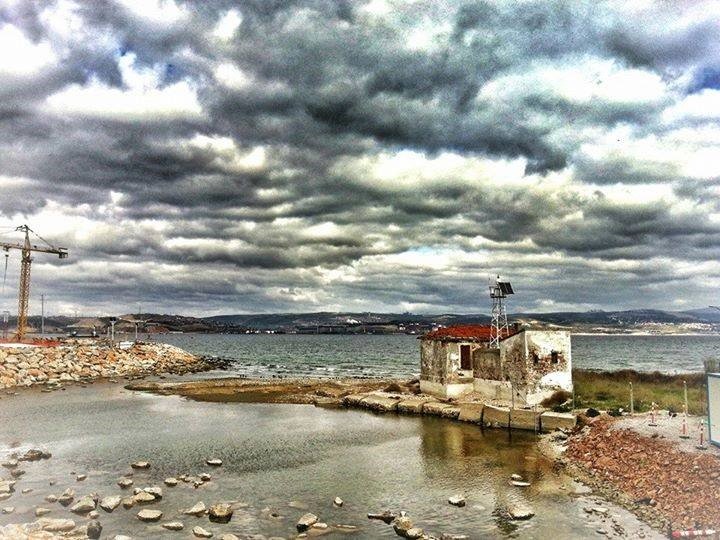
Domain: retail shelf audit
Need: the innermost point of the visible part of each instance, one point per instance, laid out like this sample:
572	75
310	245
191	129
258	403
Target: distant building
528	366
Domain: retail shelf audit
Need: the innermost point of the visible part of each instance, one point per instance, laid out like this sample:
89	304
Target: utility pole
42	315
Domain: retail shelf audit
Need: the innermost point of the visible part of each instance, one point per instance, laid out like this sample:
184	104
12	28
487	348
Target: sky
218	157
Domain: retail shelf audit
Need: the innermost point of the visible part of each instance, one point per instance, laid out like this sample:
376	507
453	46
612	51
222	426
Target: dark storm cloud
315	154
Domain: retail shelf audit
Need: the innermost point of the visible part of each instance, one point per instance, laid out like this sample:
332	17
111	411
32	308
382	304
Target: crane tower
26	248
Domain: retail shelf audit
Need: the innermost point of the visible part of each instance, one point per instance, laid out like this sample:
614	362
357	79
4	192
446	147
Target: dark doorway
465	362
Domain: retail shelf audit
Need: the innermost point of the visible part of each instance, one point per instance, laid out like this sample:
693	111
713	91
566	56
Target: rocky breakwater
81	360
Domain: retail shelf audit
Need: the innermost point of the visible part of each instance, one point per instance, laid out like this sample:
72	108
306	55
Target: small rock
17	473
198	509
125	483
171	482
201	533
229	536
144	497
402	525
83	506
155	491
149	515
56	525
110	503
51	498
140	465
520	511
8	509
174	526
128	502
220	513
26	491
306	521
338	502
94	529
515	476
205	477
599	510
214	462
457	500
386	516
40	512
519	483
93	514
319	526
414	533
81	477
10	463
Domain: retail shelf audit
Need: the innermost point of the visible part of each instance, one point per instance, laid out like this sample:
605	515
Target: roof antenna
499	291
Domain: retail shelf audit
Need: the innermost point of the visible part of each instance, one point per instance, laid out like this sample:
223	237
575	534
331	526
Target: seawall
79	360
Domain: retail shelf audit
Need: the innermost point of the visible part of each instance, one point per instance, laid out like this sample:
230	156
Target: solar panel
505	287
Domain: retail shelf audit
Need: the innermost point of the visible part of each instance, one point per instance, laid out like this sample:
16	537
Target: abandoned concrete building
527	366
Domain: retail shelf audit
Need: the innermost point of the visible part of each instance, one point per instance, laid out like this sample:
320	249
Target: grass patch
611	390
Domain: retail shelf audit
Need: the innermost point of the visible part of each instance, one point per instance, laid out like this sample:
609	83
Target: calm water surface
398	355
274	454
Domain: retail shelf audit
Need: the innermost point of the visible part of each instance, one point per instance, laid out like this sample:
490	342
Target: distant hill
638	320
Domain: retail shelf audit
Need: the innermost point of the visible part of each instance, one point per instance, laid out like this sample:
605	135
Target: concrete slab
550	421
524	419
380	403
435	408
494	416
450	412
354	400
412	405
471	412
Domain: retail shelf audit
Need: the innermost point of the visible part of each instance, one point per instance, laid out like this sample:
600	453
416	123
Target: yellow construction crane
27	248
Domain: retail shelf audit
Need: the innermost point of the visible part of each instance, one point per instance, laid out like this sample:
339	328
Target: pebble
306	521
201	533
197	509
149	515
83	506
214	462
81	477
26	491
173	526
143	497
125	483
457	500
220	513
171	482
94	529
205	477
51	498
40	511
110	503
140	465
8	509
338	502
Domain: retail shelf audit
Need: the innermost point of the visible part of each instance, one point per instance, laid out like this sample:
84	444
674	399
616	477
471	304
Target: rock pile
80	360
682	487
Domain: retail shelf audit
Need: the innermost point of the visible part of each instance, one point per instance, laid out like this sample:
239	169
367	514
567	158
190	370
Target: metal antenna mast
27	248
499	325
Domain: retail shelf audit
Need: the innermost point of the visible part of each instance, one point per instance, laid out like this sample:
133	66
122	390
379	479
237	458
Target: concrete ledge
493	416
450	412
380	403
354	400
412	405
435	408
524	419
471	412
550	421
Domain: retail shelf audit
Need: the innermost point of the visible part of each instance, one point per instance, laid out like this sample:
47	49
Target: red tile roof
469	332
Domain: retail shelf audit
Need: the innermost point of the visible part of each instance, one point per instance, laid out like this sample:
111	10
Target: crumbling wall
486	364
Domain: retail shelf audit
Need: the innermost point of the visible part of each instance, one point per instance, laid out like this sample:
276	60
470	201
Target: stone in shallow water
149	515
198	509
214	462
205	477
520	511
414	533
173	526
8	510
56	525
171	482
519	483
201	533
457	500
83	506
220	513
306	521
338	502
39	512
402	525
140	465
143	497
125	482
94	529
229	536
110	503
